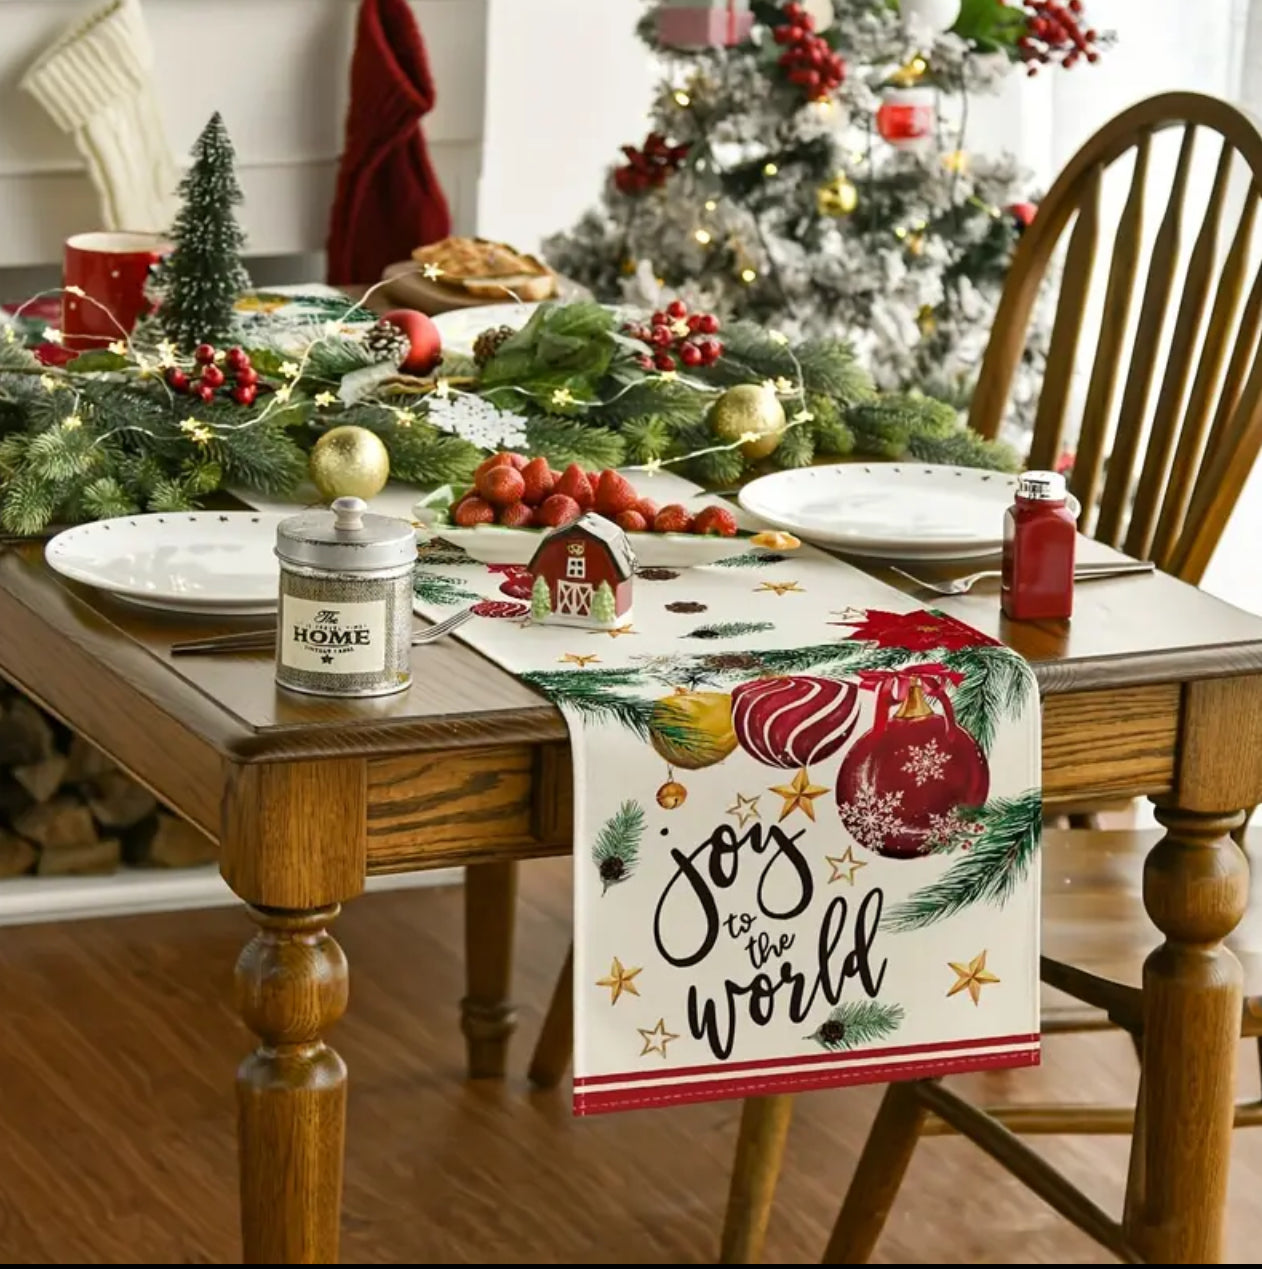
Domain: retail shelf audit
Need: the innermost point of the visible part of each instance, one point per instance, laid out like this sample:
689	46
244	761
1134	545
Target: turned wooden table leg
759	1152
1195	890
291	1091
487	1014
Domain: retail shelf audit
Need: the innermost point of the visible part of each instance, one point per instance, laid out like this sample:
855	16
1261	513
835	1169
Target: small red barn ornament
582	575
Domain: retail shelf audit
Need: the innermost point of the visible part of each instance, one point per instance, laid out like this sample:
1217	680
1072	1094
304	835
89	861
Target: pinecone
831	1032
733	661
489	343
385	342
612	870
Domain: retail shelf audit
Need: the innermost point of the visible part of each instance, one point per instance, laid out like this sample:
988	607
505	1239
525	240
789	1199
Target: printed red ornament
906	115
793	721
426	349
908	786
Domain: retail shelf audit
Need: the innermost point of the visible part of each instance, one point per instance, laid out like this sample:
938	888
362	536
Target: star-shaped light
405	418
325	399
781	588
785	387
578	658
778	337
745	438
284	392
51	334
166	353
799	794
802	416
669	376
656	1038
48	383
616	632
844	866
119	348
619	979
71	423
652	466
562	396
746	809
971	977
680	329
442	389
432	272
76	290
289	369
10	335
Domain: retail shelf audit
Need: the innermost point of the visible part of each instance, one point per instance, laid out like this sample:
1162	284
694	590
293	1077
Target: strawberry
614	493
557	510
539	479
473	511
647	508
575	484
632	521
672	518
496	460
516	516
501	486
518	461
716	521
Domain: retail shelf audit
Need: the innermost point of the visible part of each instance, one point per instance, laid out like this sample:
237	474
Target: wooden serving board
408	288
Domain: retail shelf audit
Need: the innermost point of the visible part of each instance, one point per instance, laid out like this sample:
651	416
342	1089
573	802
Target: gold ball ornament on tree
750	413
349	462
671	795
838	197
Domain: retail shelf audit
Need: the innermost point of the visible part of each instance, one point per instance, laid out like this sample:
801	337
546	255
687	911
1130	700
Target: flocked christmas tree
808	168
199	282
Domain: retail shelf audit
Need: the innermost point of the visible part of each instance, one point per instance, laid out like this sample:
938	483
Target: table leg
487	1014
291	1091
1195	890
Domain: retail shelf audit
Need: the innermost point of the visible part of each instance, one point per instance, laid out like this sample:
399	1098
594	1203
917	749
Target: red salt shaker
1039	533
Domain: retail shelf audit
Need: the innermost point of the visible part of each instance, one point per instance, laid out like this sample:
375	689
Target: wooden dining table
1154	689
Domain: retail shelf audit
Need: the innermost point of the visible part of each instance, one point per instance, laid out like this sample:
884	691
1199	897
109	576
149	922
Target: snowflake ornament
926	763
477	421
872	818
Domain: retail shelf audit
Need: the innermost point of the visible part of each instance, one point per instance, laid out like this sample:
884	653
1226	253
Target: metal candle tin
345	620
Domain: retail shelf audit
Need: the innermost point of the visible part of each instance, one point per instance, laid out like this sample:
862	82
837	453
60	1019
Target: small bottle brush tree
603	608
198	284
540	600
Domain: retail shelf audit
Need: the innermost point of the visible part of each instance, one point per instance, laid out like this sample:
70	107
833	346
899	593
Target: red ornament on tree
908	786
793	721
649	167
1055	34
426	345
1023	214
906	115
808	60
675	330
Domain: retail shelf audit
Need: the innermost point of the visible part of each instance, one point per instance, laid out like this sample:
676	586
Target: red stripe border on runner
807	1059
597	1103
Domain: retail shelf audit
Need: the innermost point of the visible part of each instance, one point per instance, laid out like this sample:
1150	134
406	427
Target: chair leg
556	1039
1084	819
759	1151
487	1015
882	1165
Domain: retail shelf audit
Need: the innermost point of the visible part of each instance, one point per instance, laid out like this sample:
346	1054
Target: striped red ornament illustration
793	720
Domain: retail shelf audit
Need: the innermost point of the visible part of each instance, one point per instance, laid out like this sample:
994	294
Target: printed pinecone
385	342
489	343
832	1032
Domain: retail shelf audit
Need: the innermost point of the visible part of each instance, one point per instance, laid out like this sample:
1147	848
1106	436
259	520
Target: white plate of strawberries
514	501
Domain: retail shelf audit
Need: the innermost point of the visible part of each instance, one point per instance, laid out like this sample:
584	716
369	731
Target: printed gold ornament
838	198
750	413
349	462
692	730
671	795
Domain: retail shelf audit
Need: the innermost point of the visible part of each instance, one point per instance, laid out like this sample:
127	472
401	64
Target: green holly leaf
98	361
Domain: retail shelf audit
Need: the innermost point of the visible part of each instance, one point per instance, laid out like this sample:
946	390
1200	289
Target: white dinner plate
461	326
214	563
907	511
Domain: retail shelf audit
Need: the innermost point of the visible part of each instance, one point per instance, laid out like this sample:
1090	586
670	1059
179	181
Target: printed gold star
781	588
616	633
562	396
432	272
746	809
577	658
844	866
799	793
656	1038
325	399
972	977
620	979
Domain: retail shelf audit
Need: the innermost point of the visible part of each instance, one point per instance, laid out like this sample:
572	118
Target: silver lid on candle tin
346	539
1041	486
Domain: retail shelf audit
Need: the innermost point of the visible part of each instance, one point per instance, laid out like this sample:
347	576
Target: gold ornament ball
349	462
671	795
751	411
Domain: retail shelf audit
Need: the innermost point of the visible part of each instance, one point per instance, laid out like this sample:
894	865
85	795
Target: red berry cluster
209	378
807	59
1054	35
649	167
675	333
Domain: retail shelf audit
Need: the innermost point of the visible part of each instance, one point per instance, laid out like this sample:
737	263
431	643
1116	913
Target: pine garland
857	1022
616	850
996	683
1000	858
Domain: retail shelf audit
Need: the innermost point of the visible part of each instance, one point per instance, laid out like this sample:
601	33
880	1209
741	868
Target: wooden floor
118	1045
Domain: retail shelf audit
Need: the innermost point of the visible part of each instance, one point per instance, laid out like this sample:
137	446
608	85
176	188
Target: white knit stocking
96	83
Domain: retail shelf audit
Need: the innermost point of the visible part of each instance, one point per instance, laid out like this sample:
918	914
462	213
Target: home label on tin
341	638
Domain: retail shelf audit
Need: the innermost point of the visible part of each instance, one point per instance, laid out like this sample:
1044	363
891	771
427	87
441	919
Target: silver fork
262	640
1083	573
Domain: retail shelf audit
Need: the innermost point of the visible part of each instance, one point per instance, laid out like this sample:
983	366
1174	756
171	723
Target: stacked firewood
66	809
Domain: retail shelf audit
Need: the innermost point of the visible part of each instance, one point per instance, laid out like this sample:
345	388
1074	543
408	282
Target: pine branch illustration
729	629
997	861
616	850
751	559
857	1023
435	588
996	685
589	693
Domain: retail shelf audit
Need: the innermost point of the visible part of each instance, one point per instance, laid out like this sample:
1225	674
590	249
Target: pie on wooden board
491	272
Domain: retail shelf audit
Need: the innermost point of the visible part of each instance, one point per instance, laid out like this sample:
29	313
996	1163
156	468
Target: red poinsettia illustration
917	631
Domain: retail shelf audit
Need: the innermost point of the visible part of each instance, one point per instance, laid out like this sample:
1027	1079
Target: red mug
111	269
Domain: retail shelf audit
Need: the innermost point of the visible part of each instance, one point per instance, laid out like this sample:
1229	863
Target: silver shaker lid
1041	486
346	539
